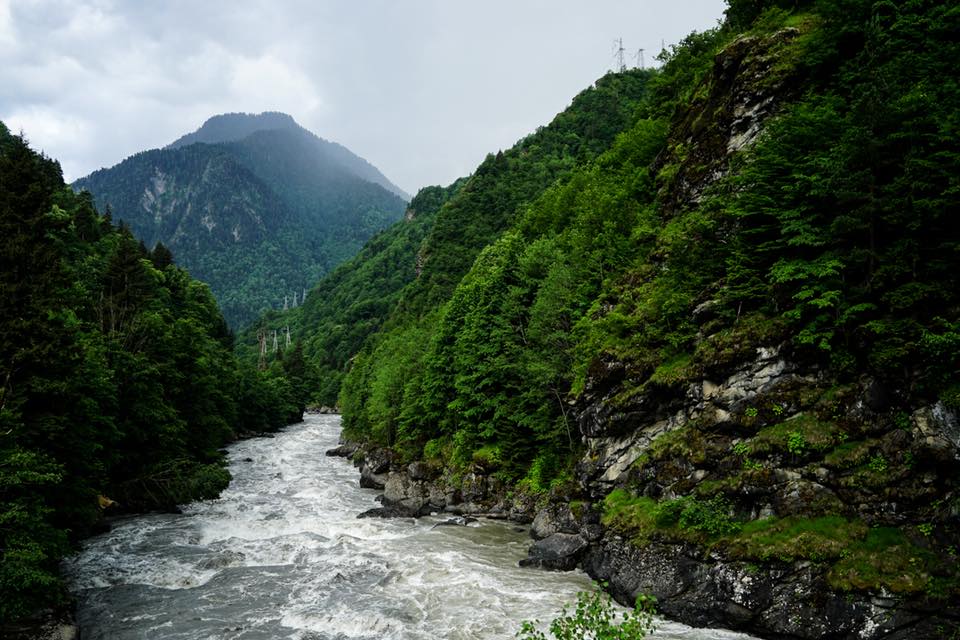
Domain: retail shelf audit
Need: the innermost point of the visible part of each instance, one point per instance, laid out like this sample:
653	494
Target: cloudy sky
423	89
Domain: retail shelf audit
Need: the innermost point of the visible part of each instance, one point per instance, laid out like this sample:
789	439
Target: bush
595	618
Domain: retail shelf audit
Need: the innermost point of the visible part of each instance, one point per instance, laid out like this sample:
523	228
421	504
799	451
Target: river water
281	554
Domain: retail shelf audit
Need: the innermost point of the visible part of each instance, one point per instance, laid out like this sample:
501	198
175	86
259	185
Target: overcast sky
423	89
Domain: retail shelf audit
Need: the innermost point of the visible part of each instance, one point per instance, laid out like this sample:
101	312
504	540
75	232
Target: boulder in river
459	521
389	511
558	552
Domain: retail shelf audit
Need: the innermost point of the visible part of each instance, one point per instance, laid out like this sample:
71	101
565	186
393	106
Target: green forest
118	379
584	242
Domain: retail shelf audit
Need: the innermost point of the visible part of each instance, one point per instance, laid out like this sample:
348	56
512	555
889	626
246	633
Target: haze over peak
233	127
229	127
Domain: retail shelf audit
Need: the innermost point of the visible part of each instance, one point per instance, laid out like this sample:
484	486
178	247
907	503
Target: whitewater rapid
281	554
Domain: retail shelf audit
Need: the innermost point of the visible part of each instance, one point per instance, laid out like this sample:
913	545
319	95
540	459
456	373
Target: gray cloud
421	88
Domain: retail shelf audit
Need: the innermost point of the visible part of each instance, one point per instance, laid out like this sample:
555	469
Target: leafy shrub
595	617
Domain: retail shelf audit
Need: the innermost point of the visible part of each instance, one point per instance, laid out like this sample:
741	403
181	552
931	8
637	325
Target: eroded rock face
556	518
740	96
779	601
374	468
611	455
940	428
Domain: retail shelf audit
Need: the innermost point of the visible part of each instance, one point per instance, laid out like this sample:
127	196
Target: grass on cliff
857	557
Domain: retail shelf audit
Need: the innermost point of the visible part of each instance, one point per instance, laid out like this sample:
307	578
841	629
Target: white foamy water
281	554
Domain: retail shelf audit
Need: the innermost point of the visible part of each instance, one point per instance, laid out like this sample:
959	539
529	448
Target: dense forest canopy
118	382
400	275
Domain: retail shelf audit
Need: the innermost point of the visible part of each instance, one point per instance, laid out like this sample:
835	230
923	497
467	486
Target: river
281	554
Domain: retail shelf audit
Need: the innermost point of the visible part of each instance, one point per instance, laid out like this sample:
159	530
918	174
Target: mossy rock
886	559
797	436
791	539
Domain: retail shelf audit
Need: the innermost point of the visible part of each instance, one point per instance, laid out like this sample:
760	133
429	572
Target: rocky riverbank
772	501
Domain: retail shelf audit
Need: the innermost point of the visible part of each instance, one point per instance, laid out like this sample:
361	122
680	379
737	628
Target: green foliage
710	517
878	463
796	436
740	14
117	378
595	617
538	477
683	518
796	443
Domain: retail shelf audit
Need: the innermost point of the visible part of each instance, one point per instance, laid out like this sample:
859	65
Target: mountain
255	205
714	359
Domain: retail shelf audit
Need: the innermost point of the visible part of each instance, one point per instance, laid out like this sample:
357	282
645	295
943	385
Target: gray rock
418	471
390	511
559	552
459	521
770	600
370	480
939	427
344	450
399	489
556	518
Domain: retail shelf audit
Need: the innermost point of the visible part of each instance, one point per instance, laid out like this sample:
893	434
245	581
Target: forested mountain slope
118	382
724	353
256	206
398	278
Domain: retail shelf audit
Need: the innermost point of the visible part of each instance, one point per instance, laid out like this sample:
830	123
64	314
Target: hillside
718	360
118	382
256	206
399	277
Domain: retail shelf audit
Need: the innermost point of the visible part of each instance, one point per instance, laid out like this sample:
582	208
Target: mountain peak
230	127
235	127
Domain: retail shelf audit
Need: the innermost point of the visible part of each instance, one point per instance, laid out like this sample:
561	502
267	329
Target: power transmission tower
640	60
285	303
276	345
287	346
621	63
262	341
294	299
